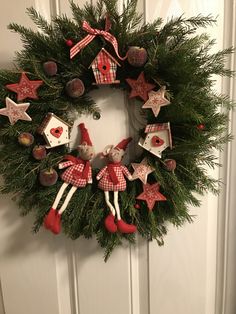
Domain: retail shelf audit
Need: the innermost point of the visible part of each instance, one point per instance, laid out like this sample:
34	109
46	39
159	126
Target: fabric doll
78	175
112	178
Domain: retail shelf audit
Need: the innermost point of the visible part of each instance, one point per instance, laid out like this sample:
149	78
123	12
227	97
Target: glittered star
140	87
156	101
151	194
141	170
25	88
15	111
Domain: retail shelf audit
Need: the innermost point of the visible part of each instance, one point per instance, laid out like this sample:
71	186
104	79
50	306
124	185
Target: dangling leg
59	195
68	198
51	216
112	209
110	219
117	207
123	227
56	228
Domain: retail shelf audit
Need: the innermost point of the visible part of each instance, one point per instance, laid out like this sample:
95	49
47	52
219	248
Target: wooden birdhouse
54	130
158	138
104	68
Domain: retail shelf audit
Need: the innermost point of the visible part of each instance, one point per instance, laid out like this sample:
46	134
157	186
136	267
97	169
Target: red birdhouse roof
108	55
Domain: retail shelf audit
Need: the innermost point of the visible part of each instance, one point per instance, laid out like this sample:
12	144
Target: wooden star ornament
15	111
140	87
141	170
25	88
151	194
156	100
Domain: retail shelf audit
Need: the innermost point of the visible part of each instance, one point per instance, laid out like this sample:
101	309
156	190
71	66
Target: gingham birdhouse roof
108	55
150	128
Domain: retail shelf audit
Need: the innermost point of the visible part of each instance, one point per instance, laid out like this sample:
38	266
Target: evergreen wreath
171	72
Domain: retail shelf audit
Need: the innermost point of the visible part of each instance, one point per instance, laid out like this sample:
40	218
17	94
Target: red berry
137	206
69	42
201	126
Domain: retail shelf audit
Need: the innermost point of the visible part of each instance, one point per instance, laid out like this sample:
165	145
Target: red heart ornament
104	67
157	141
57	132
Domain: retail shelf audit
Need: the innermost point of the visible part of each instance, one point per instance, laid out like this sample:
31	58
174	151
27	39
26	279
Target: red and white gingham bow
93	32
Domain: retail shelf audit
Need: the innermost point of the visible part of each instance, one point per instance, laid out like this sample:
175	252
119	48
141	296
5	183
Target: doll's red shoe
56	227
123	227
49	218
110	223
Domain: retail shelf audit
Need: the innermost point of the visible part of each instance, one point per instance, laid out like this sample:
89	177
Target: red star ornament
141	170
151	194
156	100
15	111
140	87
25	88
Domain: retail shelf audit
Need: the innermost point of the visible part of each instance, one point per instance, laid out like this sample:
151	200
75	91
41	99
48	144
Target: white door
189	275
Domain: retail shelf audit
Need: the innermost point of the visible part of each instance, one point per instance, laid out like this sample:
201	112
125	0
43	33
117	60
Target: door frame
226	249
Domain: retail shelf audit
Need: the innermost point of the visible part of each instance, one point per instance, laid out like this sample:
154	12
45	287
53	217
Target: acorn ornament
169	164
50	68
26	139
48	177
137	56
75	88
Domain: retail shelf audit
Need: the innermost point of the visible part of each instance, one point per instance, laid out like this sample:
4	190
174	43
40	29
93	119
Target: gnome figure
112	178
79	174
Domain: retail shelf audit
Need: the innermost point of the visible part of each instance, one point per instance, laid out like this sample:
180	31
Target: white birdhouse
158	138
54	130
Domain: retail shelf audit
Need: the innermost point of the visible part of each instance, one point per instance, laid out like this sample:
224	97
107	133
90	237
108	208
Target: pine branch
40	21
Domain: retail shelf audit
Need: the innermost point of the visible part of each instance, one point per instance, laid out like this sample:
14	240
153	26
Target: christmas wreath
167	68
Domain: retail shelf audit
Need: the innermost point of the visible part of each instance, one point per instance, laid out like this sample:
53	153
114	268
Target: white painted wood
27	263
2	310
226	274
184	270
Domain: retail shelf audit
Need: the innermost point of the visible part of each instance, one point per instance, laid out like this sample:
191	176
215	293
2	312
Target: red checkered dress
73	174
106	183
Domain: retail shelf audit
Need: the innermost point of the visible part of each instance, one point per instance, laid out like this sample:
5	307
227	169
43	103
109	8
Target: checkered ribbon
93	32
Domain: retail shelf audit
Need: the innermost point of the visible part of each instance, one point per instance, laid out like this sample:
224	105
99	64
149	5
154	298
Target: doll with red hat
112	178
79	174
